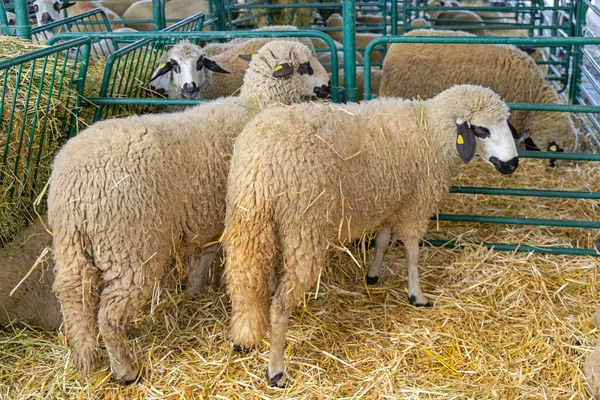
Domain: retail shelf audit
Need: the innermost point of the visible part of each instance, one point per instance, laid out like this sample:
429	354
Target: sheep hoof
413	300
372	280
131	381
238	348
277	381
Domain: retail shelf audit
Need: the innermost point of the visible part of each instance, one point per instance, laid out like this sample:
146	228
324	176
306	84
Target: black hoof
241	349
372	280
274	380
132	381
413	301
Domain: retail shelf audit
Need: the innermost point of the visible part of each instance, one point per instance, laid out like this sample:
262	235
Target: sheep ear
282	70
513	131
167	67
465	141
247	57
528	50
213	66
66	5
555	148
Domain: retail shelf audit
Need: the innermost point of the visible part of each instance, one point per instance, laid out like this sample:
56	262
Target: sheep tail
249	241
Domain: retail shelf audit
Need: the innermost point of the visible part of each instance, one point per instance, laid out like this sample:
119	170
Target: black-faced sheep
305	176
126	192
33	301
411	70
186	73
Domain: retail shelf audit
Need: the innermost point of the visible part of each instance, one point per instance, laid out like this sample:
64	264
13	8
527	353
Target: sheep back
424	70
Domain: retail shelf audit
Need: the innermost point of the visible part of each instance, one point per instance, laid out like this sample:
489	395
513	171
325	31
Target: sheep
188	72
306	177
33	302
224	54
591	367
124	193
424	70
174	9
48	11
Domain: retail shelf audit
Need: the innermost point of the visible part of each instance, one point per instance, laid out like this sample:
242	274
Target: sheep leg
121	300
76	286
415	295
591	367
302	267
279	327
382	242
198	272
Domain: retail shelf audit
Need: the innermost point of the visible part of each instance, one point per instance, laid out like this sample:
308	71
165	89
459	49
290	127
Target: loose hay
502	326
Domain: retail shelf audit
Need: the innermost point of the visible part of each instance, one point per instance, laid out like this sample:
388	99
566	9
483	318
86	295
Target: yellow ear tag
253	55
460	140
277	68
164	65
553	148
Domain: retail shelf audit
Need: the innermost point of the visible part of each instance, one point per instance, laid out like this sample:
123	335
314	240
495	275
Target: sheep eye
305	68
36	8
176	66
481	132
56	6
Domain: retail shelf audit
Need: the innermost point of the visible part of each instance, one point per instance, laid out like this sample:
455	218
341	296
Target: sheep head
47	11
482	126
187	69
284	71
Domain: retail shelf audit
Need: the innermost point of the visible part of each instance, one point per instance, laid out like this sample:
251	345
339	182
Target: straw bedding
503	325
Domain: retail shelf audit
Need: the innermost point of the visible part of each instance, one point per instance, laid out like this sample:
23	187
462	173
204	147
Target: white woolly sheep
411	70
33	302
305	176
126	192
47	11
174	9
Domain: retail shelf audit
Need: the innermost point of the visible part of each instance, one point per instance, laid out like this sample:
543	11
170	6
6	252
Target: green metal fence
254	13
520	18
40	98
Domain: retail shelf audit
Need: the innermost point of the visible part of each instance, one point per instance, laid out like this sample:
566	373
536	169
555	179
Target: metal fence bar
521	248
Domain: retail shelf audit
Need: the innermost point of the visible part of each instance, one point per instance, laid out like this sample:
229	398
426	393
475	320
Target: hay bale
30	133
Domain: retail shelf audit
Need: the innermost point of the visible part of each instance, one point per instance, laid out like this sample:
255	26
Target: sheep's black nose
322	91
505	167
46	18
190	89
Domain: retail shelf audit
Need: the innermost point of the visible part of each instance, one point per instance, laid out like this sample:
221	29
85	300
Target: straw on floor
502	326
